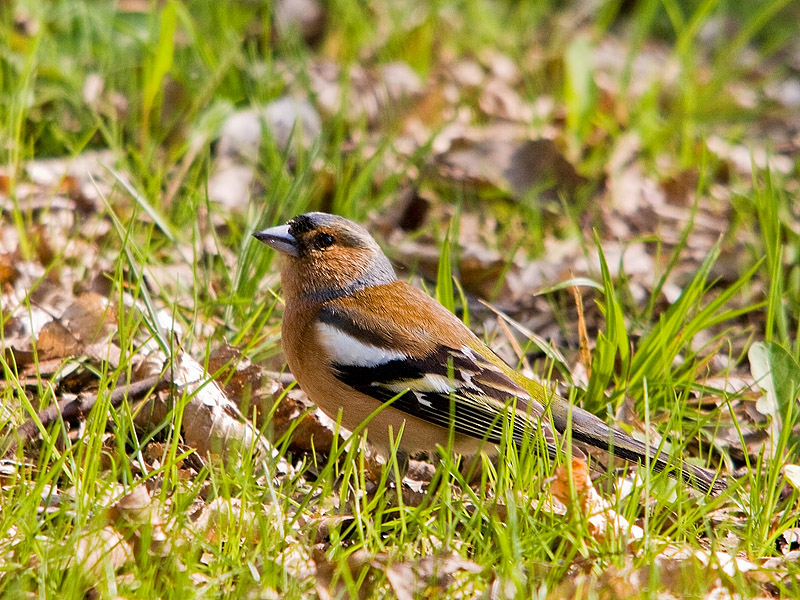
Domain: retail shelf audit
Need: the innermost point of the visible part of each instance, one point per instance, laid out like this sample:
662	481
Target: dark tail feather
633	450
590	430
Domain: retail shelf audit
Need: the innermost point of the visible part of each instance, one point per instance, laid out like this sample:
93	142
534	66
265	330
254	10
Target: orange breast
310	366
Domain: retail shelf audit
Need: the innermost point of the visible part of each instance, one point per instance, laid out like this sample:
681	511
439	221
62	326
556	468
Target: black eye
323	240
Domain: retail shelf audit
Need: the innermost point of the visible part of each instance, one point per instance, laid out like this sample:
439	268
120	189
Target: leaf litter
508	154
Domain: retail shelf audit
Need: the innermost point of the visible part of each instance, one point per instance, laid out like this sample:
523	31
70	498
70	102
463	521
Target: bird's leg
472	467
403	460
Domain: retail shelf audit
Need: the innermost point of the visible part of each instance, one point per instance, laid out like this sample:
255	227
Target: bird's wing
437	382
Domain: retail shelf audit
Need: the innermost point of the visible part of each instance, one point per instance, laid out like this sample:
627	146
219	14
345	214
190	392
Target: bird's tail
591	431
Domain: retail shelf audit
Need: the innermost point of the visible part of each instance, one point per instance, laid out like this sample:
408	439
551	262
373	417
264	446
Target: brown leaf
675	578
84	326
601	517
681	188
315	429
372	95
95	551
8	272
89	318
51	298
329	583
408	212
248	385
499	100
788	541
306	16
744	158
44	251
134	507
540	164
138	513
212	423
55	341
287	121
322	526
506	164
225	516
230	184
467	73
430	576
297	562
632	192
251	386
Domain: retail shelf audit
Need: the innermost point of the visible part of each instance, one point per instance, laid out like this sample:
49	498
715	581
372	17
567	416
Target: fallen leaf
493	161
212	424
792	474
134	507
431	576
602	520
305	16
467	73
55	341
290	122
329	583
499	100
788	541
230	184
372	95
744	158
90	318
225	520
8	272
98	551
778	374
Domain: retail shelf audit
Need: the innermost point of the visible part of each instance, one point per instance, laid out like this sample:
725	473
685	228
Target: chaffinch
356	337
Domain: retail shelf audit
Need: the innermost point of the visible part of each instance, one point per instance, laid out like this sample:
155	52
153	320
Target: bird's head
326	256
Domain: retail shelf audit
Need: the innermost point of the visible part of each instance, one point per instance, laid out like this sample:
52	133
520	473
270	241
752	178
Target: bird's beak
280	239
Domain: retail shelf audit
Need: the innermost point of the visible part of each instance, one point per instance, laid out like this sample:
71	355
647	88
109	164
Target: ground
606	193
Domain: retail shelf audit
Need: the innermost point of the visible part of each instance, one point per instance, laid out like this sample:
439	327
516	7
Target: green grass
171	75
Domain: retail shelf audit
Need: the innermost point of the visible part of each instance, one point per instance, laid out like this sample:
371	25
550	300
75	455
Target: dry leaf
431	576
744	158
329	583
499	100
467	73
675	577
95	551
138	512
231	183
8	272
792	474
372	96
251	386
225	516
211	422
134	507
602	519
306	16
286	121
55	341
89	318
495	160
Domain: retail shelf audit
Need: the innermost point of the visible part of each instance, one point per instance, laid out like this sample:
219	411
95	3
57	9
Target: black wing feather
466	406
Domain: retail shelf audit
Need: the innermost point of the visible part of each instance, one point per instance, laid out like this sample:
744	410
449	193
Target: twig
76	408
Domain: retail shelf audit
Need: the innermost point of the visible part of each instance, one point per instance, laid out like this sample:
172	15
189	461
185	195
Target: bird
367	347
